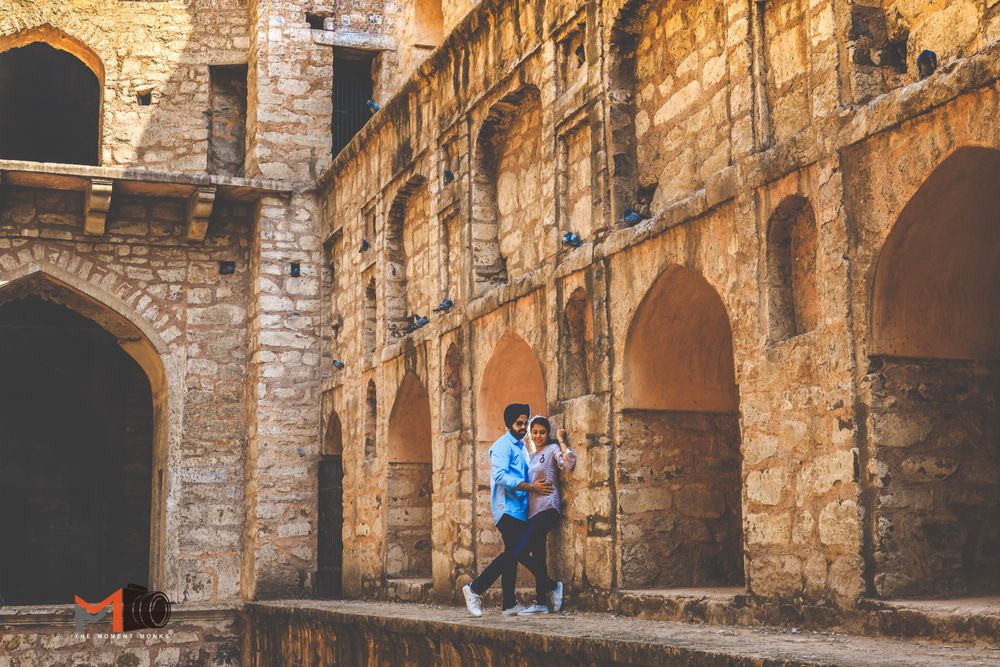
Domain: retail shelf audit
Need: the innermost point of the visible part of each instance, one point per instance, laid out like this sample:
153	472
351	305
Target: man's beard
519	433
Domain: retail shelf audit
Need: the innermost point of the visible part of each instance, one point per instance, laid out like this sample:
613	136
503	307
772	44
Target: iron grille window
352	88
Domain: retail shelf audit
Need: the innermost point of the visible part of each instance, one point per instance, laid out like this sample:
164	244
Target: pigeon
420	321
364	245
448	176
373	105
444	305
571	239
581	54
631	216
338	364
926	63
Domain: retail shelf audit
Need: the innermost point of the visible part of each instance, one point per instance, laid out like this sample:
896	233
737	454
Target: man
509	489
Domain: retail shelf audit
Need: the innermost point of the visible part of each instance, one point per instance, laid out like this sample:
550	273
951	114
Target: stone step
310	632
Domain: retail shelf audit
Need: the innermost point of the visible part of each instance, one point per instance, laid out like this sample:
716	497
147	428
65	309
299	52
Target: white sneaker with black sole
473	602
556	597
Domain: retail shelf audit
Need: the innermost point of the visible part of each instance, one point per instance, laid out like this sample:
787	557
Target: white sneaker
473	602
534	609
514	611
556	597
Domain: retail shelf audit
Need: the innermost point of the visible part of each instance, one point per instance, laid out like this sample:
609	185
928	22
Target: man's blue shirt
508	468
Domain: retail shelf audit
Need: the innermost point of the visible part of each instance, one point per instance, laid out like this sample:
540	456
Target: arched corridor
76	435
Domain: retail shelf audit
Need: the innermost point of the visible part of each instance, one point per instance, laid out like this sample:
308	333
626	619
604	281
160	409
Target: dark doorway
352	88
76	418
50	104
331	523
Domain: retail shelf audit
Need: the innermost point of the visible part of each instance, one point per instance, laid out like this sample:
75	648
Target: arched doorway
934	374
50	106
679	509
513	375
408	552
76	441
330	514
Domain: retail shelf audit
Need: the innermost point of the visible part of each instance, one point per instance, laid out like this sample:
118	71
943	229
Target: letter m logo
87	613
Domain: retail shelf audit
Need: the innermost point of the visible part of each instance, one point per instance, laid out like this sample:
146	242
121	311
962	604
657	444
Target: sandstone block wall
741	134
165	49
174	291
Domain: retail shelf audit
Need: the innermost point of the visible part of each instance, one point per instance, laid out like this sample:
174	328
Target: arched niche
506	190
52	104
410	482
934	378
333	436
679	348
513	374
792	244
679	465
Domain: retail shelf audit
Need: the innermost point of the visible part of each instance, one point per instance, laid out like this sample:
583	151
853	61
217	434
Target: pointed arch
410	482
695	371
934	367
679	464
505	170
792	244
139	340
53	98
512	375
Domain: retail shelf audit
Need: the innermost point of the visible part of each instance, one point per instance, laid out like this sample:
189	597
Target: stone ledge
136	181
362	632
62	615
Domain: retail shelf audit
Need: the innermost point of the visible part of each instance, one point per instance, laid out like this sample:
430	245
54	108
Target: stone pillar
290	102
284	386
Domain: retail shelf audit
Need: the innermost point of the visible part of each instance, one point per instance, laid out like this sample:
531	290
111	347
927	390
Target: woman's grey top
547	463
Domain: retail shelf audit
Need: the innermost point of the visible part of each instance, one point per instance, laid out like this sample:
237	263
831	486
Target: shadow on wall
934	373
172	97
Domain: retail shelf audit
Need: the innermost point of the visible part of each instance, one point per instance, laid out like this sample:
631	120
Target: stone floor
599	636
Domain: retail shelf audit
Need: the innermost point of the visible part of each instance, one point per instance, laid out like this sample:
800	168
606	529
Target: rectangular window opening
352	88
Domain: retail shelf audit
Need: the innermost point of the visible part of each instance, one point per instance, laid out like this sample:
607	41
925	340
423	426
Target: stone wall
775	142
175	290
937	456
202	635
164	49
408	553
679	500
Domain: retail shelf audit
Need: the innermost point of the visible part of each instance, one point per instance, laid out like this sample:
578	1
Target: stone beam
96	205
199	210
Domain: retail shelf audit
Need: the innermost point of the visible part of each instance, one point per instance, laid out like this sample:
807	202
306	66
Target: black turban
513	411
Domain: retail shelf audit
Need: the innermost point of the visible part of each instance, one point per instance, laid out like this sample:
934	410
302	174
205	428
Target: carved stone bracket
96	205
199	210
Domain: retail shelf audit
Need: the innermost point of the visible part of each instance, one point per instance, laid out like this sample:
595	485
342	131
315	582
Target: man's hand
542	487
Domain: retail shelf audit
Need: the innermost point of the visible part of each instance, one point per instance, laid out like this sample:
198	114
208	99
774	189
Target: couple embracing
524	486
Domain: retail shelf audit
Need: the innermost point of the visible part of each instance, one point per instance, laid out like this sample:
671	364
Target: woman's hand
561	437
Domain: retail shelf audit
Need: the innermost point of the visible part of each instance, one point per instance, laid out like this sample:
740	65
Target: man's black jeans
518	538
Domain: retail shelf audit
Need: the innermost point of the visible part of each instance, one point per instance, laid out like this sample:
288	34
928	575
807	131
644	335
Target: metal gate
331	521
352	88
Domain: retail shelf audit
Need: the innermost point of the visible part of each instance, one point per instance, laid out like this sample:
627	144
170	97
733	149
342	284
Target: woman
547	458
